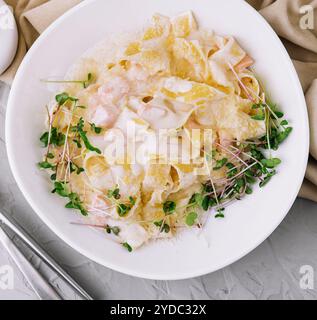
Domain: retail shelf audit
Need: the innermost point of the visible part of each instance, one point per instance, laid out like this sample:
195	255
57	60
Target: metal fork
42	289
39	285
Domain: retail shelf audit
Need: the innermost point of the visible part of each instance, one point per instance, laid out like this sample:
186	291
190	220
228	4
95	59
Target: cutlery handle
44	256
43	290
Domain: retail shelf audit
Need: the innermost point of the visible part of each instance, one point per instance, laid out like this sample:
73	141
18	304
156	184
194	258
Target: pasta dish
161	133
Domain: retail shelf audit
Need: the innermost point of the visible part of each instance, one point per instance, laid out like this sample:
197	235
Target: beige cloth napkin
33	16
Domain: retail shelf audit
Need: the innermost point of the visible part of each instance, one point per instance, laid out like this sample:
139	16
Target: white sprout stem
70	113
67	170
50	121
67	132
51	118
89	225
267	122
64	149
240	82
93	209
245	142
234	155
223	191
163	223
62	81
247	168
248	155
227	195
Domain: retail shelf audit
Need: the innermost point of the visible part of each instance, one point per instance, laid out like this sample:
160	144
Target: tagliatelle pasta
162	134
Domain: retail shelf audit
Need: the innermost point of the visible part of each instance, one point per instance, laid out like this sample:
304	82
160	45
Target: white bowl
8	35
247	222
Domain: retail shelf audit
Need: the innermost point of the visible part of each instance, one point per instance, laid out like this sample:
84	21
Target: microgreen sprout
127	246
164	227
85	83
169	207
220	213
75	202
191	218
115	230
82	134
122	208
95	129
220	163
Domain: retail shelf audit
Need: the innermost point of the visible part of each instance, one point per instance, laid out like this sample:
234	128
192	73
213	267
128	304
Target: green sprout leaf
114	230
127	246
95	129
80	130
267	178
57	138
284	134
220	163
46	165
61	189
259	117
163	227
205	203
232	171
169	207
122	209
63	97
248	190
115	193
191	219
271	163
220	213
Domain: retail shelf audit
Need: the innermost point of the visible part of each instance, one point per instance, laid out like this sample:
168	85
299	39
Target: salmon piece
246	62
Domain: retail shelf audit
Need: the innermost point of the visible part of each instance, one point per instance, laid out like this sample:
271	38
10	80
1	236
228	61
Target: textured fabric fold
33	17
285	16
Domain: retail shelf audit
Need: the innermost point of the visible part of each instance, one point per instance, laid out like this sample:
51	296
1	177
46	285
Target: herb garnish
163	226
57	138
95	129
127	246
79	129
114	230
46	165
85	83
74	167
191	218
74	200
122	208
63	97
253	165
169	207
220	163
220	213
114	193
